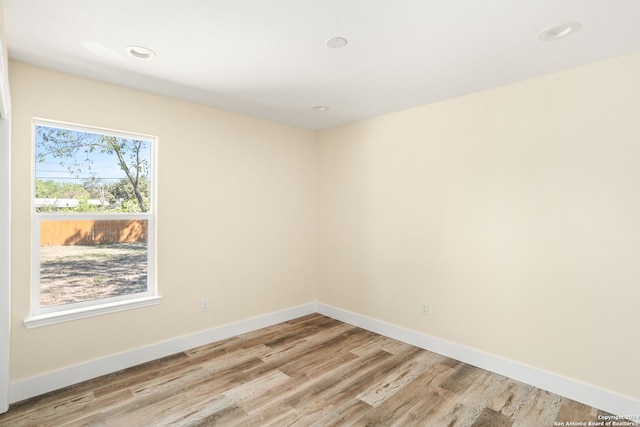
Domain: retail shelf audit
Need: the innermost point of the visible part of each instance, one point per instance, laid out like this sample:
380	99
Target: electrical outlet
204	305
424	308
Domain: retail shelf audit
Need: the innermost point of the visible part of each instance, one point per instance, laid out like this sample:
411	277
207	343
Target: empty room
327	213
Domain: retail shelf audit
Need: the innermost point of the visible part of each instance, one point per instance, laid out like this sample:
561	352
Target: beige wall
236	217
515	212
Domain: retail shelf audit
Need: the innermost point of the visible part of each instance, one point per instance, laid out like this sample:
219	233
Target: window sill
38	320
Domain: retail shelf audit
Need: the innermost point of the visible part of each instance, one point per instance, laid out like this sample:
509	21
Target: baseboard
575	390
566	387
36	386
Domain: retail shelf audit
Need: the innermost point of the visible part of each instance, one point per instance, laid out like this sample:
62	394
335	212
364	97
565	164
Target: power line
78	179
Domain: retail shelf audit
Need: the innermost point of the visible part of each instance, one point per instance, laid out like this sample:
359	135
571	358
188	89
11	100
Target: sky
103	166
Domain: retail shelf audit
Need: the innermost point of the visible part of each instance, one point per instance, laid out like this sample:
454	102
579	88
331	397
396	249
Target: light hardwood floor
311	371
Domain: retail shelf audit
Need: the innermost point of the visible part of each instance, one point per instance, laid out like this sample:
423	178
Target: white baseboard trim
36	386
566	387
575	390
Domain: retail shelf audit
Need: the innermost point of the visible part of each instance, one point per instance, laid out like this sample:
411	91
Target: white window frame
42	316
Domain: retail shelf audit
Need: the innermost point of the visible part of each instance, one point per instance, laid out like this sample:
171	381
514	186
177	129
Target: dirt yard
81	273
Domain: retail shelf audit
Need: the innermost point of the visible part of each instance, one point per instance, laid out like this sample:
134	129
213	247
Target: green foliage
54	190
46	189
51	208
85	206
130	205
123	193
124	190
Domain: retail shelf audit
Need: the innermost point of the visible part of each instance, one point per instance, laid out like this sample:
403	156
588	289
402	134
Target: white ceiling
268	58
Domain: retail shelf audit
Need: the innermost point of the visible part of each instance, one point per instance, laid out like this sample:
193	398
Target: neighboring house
66	203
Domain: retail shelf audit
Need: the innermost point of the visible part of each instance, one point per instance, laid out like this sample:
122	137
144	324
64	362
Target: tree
99	189
50	189
124	190
47	189
76	151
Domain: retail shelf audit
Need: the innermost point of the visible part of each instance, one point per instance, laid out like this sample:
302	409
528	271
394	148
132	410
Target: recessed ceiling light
559	31
140	52
320	108
337	42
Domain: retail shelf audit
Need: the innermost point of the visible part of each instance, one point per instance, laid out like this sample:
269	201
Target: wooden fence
92	232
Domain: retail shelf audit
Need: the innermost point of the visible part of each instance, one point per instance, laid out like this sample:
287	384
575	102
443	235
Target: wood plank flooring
311	371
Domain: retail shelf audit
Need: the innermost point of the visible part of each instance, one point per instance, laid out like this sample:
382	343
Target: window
93	222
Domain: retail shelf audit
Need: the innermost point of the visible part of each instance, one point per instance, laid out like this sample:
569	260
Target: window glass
93	214
85	171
